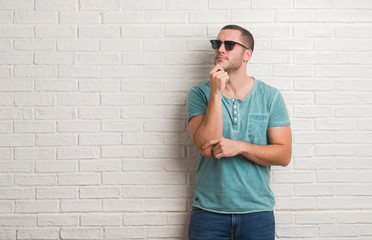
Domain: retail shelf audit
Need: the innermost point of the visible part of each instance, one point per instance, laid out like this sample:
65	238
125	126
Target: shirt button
233	100
235	119
234	106
235	112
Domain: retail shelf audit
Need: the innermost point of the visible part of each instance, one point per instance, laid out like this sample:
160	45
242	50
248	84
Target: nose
222	48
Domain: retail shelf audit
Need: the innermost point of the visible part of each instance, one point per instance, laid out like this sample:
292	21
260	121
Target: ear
247	55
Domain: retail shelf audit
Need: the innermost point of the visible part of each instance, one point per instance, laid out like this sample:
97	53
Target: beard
230	66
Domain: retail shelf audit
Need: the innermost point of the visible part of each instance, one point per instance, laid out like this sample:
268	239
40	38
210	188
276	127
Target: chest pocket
257	126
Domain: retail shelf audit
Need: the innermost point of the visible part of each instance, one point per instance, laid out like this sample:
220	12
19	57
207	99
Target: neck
239	85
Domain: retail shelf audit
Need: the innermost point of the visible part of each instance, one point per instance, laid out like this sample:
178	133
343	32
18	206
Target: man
241	127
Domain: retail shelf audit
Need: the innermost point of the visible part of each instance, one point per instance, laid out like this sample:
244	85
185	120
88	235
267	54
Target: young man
241	127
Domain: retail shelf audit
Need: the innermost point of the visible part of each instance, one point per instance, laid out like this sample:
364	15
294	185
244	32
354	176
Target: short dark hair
246	35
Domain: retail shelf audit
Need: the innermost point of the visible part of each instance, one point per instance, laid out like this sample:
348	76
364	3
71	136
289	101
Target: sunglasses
229	45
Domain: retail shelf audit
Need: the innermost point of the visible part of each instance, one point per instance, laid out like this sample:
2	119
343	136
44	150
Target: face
234	59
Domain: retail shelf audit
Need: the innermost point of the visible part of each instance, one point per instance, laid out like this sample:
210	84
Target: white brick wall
93	134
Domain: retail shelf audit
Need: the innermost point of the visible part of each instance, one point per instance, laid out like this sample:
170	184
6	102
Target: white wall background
93	136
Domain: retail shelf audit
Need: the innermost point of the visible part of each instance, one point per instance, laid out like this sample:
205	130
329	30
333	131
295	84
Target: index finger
210	143
217	68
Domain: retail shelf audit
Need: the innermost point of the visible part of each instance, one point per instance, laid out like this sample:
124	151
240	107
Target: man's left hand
223	147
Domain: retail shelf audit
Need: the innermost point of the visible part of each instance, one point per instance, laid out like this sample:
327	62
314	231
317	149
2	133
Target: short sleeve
197	103
278	112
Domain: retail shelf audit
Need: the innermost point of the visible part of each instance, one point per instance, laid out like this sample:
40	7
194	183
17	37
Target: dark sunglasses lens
216	44
229	45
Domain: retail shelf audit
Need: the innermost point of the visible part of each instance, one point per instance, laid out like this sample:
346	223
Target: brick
39	71
8	233
169	205
57	220
185	31
344	16
16	140
129	232
122	151
84	45
6	180
54	58
184	4
99	113
82	99
121	99
100	5
132	192
34	45
101	219
34	127
78	126
56	113
55	166
56	140
16	58
99	139
66	17
292	71
56	5
125	17
146	219
271	4
6	206
165	178
80	206
291	177
17	31
121	72
78	152
313	4
35	154
99	85
220	4
295	16
51	233
173	231
81	233
98	59
79	179
123	178
299	203
56	85
34	99
98	31
28	17
100	165
37	206
35	180
166	17
6	127
314	137
144	85
297	231
143	165
56	192
127	205
99	192
17	220
314	163
122	126
314	190
143	5
16	114
15	85
5	45
164	152
55	31
209	17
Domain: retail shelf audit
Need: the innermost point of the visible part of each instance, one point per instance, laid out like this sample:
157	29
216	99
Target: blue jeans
205	225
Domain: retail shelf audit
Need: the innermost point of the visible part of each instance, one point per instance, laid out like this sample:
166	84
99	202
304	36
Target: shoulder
266	89
202	89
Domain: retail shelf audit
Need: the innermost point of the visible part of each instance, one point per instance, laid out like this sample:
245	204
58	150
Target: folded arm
278	152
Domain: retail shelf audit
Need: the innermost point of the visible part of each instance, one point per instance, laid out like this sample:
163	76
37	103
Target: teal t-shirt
235	184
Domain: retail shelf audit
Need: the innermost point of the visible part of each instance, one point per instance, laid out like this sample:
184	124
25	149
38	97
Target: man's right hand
218	78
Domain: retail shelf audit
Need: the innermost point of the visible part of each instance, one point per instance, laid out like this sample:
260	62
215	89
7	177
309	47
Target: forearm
211	126
266	155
